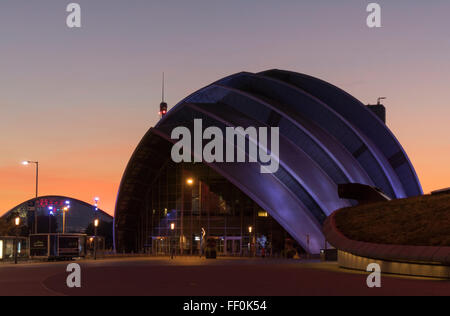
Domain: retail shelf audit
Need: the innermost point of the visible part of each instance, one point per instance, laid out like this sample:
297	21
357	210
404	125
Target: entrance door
160	246
232	246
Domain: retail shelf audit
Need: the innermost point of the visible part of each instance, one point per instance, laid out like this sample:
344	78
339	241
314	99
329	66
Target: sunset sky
79	100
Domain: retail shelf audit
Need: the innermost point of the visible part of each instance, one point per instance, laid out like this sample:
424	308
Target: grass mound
418	221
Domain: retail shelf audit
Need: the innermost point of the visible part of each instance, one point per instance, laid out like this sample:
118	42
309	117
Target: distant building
79	217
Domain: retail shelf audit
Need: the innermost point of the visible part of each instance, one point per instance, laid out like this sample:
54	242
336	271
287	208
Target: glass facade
7	245
189	204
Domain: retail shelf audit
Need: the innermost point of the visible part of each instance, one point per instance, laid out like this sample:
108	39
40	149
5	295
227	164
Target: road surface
199	277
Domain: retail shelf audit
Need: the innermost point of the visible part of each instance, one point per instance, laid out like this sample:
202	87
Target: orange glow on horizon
72	177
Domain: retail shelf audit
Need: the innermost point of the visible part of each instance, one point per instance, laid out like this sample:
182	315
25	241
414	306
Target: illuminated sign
56	203
52	205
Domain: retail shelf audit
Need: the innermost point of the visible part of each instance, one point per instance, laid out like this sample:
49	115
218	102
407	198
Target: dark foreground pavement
201	277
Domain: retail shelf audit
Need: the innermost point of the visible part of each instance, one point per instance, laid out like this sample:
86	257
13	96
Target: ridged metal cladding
327	137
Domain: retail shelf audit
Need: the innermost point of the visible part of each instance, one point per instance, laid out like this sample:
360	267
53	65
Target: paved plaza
193	276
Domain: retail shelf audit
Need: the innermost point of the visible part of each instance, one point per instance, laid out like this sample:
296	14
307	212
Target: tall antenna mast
379	100
163	105
163	81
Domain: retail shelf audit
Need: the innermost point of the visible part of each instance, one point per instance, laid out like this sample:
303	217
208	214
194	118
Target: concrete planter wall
398	259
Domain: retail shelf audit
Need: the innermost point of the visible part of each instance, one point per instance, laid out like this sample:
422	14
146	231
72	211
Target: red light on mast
163	109
163	105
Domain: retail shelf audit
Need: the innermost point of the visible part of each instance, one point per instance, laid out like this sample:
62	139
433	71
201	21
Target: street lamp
17	223
26	163
96	222
50	214
65	209
96	199
171	241
250	230
190	182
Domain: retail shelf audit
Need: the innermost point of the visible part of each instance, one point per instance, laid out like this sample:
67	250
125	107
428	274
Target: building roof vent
379	109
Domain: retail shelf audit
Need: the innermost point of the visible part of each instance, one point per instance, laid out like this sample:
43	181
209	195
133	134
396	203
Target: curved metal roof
326	138
362	118
55	197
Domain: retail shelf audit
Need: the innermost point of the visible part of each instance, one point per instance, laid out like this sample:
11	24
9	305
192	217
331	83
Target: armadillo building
327	138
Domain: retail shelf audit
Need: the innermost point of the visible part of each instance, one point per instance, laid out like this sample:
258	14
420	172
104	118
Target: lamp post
50	214
172	247
250	235
96	221
190	182
26	163
17	223
96	199
65	209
